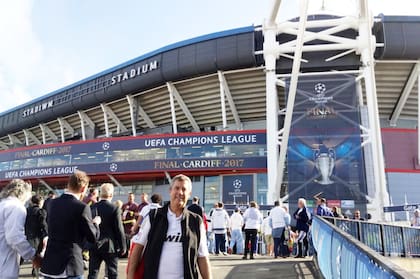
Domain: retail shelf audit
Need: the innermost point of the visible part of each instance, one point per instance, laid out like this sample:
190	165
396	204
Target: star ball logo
237	184
320	89
113	167
106	145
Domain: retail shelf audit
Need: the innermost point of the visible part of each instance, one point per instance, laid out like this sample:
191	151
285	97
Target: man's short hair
323	200
196	199
276	203
220	205
51	193
17	188
36	199
78	180
107	190
183	178
236	210
253	204
156	198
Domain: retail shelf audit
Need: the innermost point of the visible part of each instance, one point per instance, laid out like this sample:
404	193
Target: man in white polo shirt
173	239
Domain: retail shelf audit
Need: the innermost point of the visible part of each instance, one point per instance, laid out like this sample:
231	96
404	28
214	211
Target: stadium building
205	107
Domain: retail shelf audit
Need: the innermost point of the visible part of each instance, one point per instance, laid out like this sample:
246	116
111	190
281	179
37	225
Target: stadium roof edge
203	38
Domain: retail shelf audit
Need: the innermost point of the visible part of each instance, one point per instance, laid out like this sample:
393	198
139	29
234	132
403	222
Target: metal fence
341	256
388	240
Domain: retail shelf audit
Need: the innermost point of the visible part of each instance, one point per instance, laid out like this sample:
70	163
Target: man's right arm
204	266
134	260
89	229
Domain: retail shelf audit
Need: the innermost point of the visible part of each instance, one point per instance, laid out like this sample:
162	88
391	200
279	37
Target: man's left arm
203	255
119	231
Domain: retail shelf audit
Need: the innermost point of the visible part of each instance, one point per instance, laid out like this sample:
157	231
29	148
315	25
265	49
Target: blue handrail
340	255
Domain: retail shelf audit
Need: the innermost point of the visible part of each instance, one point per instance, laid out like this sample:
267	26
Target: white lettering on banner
201	140
37	108
134	72
40	172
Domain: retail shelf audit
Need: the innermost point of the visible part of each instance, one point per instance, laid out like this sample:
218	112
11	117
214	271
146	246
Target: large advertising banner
324	155
238	189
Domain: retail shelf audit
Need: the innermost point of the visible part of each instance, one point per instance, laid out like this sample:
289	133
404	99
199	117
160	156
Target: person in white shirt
279	219
236	238
220	223
253	219
168	234
13	242
266	230
156	200
415	222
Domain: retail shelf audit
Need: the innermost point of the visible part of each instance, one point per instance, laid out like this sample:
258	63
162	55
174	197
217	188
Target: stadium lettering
135	72
37	108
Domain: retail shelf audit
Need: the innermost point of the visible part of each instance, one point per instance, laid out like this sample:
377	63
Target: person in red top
129	217
92	197
144	200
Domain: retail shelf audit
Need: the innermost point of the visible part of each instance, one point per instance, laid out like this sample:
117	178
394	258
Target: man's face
357	215
143	198
180	192
131	198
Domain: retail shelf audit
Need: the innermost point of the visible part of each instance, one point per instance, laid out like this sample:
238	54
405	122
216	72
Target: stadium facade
200	107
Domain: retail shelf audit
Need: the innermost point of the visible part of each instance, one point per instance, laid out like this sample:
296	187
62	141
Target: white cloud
27	67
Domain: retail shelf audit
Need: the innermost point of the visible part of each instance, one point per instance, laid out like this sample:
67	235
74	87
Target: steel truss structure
364	45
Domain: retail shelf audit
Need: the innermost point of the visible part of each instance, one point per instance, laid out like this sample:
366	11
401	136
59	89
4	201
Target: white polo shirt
171	264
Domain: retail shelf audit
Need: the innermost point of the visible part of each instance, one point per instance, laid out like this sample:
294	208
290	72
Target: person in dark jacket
302	226
174	239
70	223
50	197
112	240
36	224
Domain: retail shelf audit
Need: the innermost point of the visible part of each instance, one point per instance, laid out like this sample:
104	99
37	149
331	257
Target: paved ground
233	267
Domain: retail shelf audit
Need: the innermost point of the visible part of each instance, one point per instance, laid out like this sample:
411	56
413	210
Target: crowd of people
83	228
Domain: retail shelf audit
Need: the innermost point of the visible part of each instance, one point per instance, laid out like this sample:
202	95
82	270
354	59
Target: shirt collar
74	195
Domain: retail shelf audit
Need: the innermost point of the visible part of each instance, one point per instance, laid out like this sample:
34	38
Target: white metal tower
364	45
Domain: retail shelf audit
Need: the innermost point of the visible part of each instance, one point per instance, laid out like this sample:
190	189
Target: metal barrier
341	255
388	240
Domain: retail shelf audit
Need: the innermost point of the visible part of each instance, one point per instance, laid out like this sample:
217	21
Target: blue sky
48	44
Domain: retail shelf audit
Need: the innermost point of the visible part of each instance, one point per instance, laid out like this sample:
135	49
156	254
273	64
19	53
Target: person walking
156	201
279	220
302	219
220	224
111	242
13	242
173	239
196	208
129	218
322	208
253	220
69	223
51	195
267	233
236	238
36	226
92	197
415	222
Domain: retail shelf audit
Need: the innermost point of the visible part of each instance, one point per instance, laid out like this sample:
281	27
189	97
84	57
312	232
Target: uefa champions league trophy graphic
324	162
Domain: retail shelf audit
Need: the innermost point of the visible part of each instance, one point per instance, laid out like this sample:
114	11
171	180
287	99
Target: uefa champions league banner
324	153
238	189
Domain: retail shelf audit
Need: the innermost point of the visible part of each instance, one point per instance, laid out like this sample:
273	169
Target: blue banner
140	142
146	166
238	189
324	153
